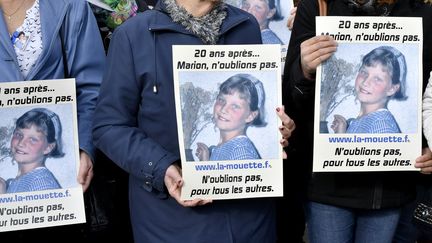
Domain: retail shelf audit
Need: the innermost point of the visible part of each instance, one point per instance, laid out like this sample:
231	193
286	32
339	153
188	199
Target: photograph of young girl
383	87
39	159
237	117
272	17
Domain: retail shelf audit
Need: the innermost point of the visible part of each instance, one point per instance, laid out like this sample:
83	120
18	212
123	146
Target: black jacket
366	190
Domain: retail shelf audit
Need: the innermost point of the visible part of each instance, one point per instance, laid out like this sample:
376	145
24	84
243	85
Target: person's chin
20	158
362	97
20	161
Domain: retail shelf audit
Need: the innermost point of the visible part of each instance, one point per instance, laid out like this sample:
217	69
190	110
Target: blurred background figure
265	11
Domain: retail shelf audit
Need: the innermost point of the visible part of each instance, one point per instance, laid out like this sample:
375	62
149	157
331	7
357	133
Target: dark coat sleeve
299	92
86	61
116	130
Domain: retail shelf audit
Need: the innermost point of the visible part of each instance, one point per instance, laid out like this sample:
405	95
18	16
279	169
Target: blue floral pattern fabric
27	40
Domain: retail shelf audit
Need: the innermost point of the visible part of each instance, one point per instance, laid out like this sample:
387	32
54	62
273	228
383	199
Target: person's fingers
337	116
195	202
287	122
425	166
313	59
287	127
174	188
424	162
286	133
85	171
291	18
88	180
317	43
284	142
316	50
204	202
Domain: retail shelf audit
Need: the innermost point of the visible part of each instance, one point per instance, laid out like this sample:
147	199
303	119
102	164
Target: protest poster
39	155
368	95
226	96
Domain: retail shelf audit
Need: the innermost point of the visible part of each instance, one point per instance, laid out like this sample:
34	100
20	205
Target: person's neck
264	26
226	136
11	4
14	12
25	168
6	3
369	108
197	8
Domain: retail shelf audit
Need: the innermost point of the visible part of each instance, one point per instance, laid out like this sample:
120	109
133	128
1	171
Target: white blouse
27	40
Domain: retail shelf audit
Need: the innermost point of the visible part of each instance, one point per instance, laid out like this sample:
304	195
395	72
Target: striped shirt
238	148
380	121
36	180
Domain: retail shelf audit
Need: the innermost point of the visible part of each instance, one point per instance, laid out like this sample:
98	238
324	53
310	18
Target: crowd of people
127	117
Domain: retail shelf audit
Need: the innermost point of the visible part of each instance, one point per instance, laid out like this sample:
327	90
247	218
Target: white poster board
344	89
32	200
249	164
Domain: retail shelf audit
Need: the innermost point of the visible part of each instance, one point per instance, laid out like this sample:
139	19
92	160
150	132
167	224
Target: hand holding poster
226	98
368	100
39	155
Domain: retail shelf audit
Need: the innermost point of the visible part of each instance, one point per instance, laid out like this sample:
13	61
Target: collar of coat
205	27
370	7
232	19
